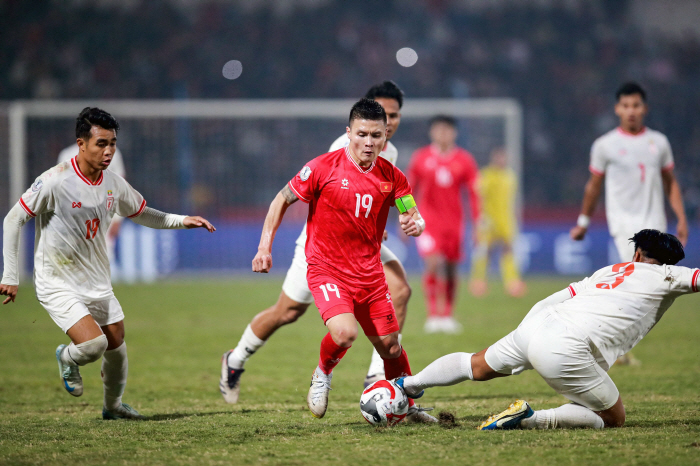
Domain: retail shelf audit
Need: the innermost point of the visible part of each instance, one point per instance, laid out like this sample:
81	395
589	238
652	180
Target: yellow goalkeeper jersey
498	188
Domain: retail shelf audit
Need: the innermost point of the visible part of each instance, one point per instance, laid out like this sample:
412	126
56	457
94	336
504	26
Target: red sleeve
401	186
305	184
471	180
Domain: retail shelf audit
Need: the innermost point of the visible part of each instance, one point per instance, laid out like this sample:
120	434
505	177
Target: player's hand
262	262
409	225
385	236
10	291
577	233
682	232
198	222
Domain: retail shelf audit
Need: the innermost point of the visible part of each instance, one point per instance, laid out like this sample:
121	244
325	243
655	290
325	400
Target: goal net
225	160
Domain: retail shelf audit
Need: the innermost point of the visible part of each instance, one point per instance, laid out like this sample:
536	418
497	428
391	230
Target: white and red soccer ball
383	404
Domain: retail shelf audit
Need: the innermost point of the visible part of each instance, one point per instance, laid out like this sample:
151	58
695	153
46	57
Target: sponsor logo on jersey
37	186
305	173
345	184
385	186
77	205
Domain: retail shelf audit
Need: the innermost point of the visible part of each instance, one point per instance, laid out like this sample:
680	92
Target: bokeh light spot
406	57
232	69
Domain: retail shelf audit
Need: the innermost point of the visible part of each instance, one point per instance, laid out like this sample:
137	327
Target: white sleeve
666	156
153	218
682	280
11	228
598	159
39	197
339	143
130	202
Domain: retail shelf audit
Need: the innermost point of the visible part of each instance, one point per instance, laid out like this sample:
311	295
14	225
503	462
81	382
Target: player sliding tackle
349	192
573	337
74	203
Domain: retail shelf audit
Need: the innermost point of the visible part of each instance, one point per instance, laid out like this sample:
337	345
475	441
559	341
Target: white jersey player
296	296
637	165
116	167
72	204
572	338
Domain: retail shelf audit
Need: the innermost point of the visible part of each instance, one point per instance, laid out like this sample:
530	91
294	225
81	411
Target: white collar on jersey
74	162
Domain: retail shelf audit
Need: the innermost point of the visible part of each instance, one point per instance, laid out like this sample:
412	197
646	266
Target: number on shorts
329	288
626	267
364	201
92	226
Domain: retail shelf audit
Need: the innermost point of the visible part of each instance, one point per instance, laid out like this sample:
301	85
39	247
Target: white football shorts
295	285
561	354
66	309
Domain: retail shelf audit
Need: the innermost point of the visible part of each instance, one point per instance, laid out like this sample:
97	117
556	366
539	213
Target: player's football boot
399	382
123	411
628	359
450	325
317	399
432	325
230	382
370	379
418	415
70	374
510	418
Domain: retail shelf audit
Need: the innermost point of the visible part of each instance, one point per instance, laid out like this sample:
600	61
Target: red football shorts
371	305
445	242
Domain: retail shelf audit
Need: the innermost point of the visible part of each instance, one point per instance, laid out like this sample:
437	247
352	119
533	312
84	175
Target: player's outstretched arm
590	199
12	226
153	218
262	262
675	198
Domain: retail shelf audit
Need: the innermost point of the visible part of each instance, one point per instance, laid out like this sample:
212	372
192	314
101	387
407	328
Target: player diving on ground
73	204
573	337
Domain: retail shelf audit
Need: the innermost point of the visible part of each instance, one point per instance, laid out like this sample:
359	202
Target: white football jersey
632	165
72	217
116	166
619	304
390	153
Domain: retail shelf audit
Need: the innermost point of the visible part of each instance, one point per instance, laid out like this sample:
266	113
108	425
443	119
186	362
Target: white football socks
568	416
247	346
448	370
84	353
376	365
115	367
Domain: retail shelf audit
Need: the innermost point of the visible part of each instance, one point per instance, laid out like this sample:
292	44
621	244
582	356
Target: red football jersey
438	181
348	209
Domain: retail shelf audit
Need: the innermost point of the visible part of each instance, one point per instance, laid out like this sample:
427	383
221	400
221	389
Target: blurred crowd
563	62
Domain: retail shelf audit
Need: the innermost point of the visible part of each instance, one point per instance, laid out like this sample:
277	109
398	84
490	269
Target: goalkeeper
498	186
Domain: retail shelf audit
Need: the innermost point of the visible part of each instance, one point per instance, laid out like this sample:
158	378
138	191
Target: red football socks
430	287
331	354
398	367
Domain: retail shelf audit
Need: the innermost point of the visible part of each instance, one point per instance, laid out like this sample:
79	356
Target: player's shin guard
84	353
568	416
430	288
331	354
115	366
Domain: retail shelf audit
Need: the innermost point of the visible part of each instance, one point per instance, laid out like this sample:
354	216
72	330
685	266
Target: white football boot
230	382
317	399
450	325
70	374
123	411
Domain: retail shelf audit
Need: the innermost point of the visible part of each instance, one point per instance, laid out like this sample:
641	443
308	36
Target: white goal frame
19	111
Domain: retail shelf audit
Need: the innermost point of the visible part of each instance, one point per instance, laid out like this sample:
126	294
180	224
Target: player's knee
344	336
88	351
614	421
401	293
389	348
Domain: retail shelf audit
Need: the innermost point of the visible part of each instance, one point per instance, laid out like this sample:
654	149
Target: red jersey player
349	192
439	172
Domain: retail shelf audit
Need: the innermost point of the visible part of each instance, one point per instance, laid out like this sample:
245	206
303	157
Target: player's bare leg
88	343
400	290
342	332
115	367
264	324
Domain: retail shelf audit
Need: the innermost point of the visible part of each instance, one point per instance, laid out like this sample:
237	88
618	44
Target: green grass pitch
177	331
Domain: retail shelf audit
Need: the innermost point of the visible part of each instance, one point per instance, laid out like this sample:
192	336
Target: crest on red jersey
385	186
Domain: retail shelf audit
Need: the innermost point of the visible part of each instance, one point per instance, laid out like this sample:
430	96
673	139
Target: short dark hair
367	109
93	116
448	120
630	88
663	247
387	90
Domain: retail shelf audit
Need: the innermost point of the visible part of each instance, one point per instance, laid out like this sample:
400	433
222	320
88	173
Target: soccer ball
383	403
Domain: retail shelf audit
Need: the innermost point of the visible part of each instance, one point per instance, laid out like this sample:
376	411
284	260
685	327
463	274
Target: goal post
224	157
